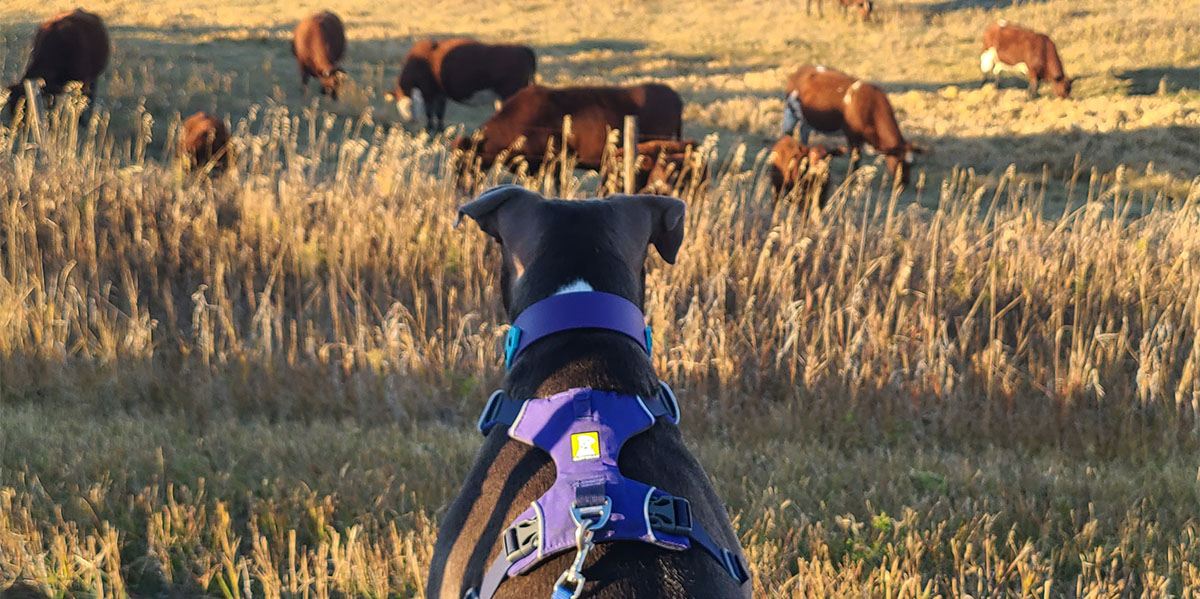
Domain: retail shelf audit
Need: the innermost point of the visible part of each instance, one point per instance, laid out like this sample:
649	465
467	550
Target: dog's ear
660	216
499	209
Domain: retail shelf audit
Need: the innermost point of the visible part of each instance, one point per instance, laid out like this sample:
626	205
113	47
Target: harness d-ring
595	516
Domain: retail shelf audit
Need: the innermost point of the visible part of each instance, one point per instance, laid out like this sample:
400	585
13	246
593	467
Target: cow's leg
439	107
304	75
806	131
854	143
1033	86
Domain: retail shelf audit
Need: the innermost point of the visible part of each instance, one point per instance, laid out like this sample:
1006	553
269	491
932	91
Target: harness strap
680	523
503	410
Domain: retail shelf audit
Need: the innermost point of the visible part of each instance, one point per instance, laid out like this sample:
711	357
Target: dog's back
550	246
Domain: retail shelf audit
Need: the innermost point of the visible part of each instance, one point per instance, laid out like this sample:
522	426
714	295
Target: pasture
264	385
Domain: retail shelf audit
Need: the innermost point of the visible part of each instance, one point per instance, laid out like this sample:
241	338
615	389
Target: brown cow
459	69
864	7
319	43
1009	47
793	163
535	115
826	100
72	46
665	165
205	141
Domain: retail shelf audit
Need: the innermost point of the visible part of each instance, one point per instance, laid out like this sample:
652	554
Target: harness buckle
490	411
669	514
734	566
593	517
521	539
672	402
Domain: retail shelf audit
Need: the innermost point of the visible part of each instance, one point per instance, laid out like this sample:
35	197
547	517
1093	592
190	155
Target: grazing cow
1007	47
826	100
535	115
864	7
459	69
793	163
205	141
72	46
583	484
319	43
665	165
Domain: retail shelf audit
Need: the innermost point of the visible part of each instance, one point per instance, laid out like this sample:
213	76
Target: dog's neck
599	359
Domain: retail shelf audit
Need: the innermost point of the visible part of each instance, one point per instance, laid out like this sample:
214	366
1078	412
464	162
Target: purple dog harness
583	430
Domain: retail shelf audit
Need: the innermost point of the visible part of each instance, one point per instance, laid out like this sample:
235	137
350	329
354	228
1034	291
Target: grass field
264	385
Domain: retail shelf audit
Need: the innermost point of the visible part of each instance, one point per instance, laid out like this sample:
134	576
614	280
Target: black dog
551	247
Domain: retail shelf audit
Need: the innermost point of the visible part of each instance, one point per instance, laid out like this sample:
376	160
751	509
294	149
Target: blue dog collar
578	310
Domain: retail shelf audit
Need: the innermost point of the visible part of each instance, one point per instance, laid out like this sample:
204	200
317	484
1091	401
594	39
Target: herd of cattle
75	47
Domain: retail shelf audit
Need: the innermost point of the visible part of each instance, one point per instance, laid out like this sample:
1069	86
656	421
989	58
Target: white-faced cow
459	69
1007	47
826	100
319	43
534	117
72	46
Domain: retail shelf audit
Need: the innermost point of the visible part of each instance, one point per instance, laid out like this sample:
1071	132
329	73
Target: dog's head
553	245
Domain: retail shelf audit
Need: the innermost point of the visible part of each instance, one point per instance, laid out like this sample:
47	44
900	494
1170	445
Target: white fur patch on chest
575	286
849	95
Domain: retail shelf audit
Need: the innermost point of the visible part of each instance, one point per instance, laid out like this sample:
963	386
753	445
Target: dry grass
262	385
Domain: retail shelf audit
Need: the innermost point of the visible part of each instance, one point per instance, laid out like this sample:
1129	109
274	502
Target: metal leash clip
573	575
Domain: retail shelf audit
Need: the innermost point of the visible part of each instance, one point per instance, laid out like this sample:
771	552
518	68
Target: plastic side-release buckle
491	410
734	566
669	514
521	539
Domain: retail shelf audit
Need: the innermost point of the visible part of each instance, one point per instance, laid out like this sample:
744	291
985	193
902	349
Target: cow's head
331	81
865	7
902	160
1062	86
818	153
408	102
409	98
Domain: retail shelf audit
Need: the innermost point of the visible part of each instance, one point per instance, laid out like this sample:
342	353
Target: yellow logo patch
585	446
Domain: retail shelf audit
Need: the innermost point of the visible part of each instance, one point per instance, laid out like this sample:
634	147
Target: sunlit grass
263	385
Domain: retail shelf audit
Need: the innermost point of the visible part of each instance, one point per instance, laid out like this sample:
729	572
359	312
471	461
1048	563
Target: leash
583	430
